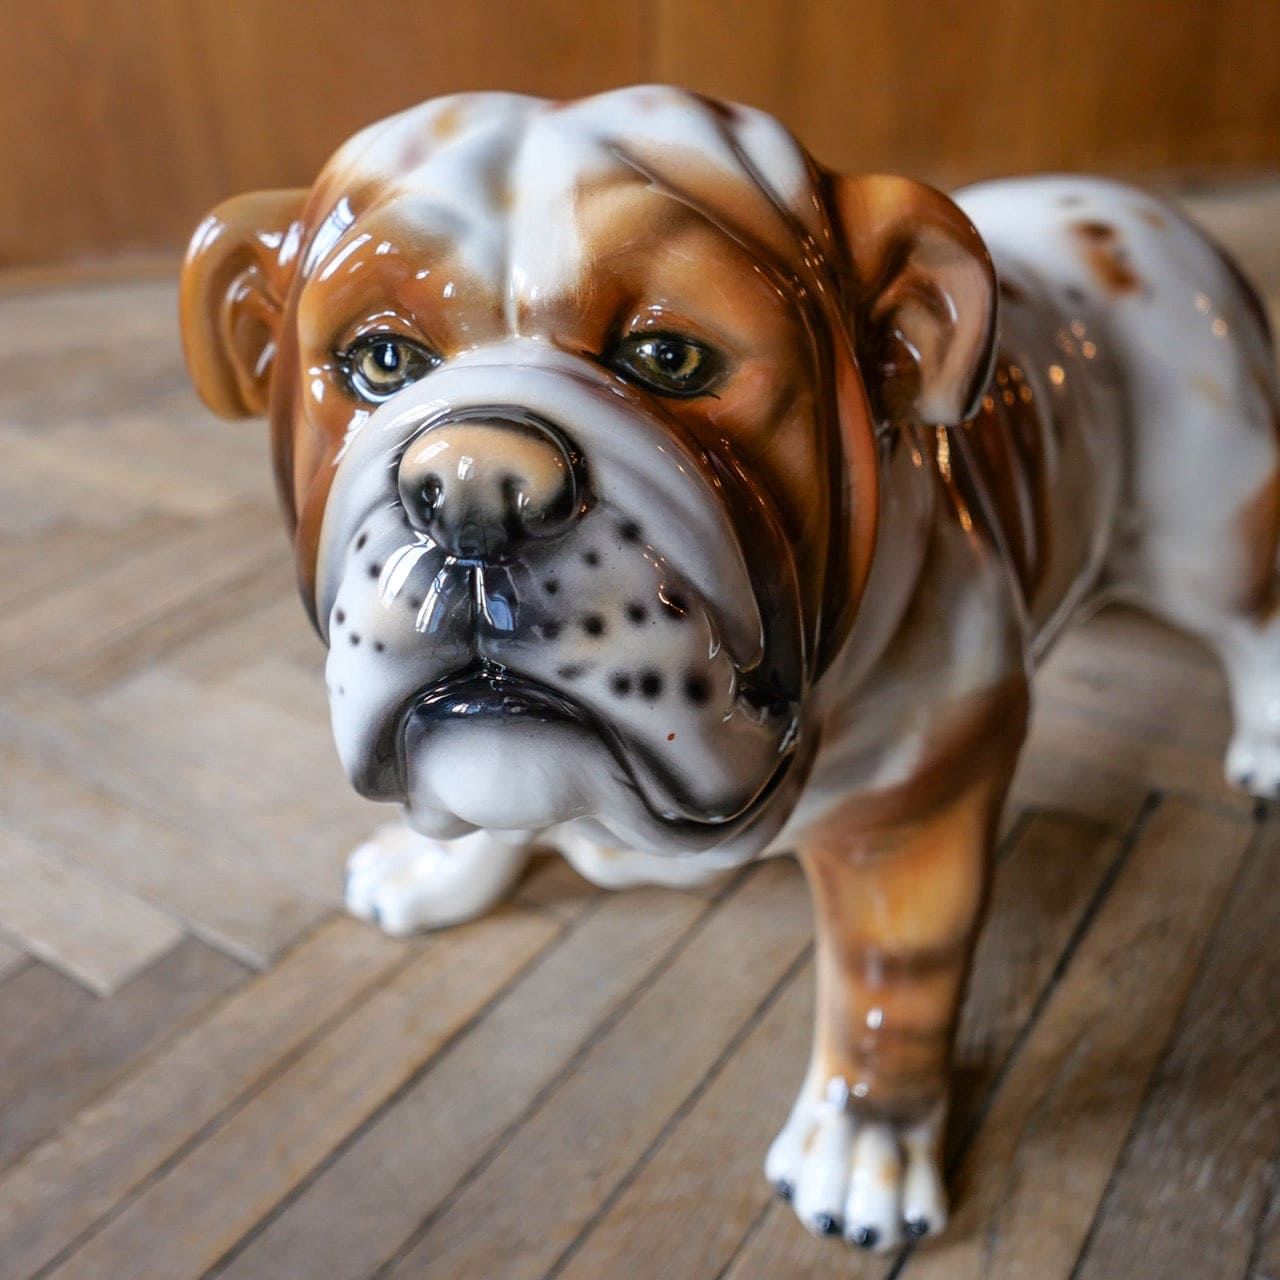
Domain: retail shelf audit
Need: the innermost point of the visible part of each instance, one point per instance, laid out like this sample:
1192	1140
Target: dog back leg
1197	539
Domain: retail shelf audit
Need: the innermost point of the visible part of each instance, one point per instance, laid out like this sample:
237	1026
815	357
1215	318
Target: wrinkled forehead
505	180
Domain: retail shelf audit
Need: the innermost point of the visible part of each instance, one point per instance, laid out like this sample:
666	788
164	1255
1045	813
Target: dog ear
922	297
235	277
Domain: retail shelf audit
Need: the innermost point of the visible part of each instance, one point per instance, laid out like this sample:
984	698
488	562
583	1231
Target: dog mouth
486	690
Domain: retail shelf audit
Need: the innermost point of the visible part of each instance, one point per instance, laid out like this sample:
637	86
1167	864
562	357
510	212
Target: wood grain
513	1220
1076	1084
69	1068
61	1188
191	1215
149	117
87	927
352	1218
1213	1165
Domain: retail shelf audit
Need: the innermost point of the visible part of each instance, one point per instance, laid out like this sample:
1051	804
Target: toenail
918	1227
828	1224
865	1237
785	1190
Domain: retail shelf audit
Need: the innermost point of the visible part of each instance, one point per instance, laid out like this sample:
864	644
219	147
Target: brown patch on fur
1012	292
722	267
903	876
308	429
1152	217
1210	389
1258	529
1103	254
447	123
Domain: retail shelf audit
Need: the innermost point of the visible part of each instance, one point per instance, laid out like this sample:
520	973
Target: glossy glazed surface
666	498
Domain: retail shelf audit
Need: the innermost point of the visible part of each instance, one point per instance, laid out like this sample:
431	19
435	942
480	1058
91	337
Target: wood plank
263	755
98	934
70	1067
46	563
1043	892
685	1211
1032	1181
1128	670
58	1191
257	623
1195	1177
356	1213
36	1004
131	595
1265	1258
11	958
216	886
1076	762
187	1219
200	625
301	843
513	1220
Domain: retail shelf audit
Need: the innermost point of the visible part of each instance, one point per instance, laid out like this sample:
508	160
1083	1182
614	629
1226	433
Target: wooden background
121	121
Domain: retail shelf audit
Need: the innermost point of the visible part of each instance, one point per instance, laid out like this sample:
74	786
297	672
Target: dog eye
667	363
380	364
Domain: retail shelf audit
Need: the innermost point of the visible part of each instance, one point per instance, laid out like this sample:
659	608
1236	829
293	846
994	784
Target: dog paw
405	882
1253	764
874	1183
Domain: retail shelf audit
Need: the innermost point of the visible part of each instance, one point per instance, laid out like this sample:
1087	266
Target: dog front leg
897	905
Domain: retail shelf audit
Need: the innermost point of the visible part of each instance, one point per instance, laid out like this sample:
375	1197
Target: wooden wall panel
953	93
121	121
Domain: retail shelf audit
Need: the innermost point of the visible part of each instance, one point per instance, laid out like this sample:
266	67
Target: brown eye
667	363
380	364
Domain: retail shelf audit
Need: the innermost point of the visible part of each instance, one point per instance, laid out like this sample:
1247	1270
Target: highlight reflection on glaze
666	498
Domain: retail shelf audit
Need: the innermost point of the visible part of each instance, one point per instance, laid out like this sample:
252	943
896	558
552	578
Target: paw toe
864	1237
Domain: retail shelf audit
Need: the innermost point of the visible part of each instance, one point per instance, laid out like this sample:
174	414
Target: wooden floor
207	1070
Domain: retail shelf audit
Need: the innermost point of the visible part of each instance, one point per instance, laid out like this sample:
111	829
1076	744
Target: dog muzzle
539	610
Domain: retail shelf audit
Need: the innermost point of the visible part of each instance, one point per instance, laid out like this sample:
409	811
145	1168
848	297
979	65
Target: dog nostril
429	495
484	487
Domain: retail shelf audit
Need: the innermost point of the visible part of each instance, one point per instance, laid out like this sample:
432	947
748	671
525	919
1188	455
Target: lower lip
494	694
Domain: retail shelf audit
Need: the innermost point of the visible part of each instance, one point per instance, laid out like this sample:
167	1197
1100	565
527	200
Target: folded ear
235	277
923	298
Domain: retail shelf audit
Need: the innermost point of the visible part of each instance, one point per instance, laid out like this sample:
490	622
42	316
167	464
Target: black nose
484	487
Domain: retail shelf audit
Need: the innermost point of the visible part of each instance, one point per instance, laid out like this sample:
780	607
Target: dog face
573	426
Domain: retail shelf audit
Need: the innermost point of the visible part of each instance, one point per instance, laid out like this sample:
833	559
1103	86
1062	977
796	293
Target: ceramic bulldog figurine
667	499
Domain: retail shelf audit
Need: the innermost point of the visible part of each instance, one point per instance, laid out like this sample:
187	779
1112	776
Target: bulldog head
576	411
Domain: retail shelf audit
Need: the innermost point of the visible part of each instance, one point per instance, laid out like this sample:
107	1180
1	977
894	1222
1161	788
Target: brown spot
1152	217
1104	255
446	123
1258	528
1094	230
1209	388
1012	292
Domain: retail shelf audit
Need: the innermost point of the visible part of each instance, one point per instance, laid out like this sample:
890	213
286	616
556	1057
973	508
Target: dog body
666	499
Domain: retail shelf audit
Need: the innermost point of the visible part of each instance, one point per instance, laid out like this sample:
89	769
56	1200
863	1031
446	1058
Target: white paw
404	882
1253	763
872	1182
